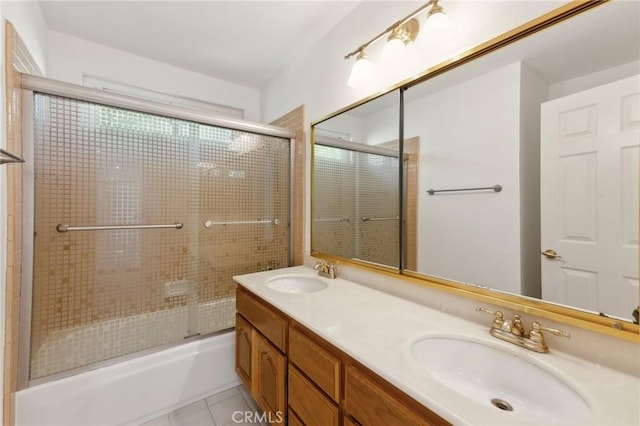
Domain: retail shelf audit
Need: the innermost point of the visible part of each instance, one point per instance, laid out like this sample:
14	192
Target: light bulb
393	52
361	73
440	23
437	29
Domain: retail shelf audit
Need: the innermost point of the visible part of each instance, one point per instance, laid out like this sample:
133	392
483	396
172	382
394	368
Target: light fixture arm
391	28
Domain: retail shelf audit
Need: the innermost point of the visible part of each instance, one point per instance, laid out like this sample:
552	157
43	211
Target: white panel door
590	157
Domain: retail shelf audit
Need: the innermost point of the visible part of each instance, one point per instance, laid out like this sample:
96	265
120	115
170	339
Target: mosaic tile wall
18	60
334	221
295	120
348	186
98	165
75	347
377	199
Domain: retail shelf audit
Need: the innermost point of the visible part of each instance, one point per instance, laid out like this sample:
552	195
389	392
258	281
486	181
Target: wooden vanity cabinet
260	362
269	385
294	420
290	369
267	320
369	400
244	350
318	363
309	403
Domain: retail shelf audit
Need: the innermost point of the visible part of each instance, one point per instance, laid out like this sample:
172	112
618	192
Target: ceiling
245	42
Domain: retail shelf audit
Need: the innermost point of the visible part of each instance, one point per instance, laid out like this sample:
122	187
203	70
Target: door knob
550	254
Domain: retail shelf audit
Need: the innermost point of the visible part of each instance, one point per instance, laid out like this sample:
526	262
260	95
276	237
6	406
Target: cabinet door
369	404
270	378
349	421
294	420
244	339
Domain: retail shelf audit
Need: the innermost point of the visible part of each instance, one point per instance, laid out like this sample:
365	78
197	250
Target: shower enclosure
140	222
356	202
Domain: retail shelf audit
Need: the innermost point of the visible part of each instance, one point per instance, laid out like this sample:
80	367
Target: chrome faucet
325	269
512	331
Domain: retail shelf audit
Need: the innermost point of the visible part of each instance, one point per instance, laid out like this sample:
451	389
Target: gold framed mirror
565	54
355	193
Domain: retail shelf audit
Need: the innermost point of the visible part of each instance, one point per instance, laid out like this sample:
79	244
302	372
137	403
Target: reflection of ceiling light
243	143
399	36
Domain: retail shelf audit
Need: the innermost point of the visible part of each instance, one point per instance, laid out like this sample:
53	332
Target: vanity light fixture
436	12
362	71
400	36
399	39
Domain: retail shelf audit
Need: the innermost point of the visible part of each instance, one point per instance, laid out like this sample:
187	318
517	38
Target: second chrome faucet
512	331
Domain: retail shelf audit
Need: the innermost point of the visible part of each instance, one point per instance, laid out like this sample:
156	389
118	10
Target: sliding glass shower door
141	221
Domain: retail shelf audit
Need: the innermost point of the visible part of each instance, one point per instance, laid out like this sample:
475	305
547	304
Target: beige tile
221	396
229	410
158	421
250	401
196	414
190	409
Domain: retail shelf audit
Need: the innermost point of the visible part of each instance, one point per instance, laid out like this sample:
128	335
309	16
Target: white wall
344	126
533	92
29	22
588	81
71	58
469	137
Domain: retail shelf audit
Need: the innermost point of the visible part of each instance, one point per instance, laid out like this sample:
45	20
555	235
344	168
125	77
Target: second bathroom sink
501	380
296	284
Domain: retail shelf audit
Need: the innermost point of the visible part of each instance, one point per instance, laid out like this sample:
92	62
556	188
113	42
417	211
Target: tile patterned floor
216	410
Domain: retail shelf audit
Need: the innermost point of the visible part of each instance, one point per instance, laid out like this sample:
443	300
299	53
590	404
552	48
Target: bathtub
133	391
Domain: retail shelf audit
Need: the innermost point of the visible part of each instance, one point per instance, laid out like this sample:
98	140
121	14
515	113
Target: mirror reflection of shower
356	201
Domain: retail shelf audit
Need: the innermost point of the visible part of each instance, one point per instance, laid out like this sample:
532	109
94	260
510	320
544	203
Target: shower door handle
63	227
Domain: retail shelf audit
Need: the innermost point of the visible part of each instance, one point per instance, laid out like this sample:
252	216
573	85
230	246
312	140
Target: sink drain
502	404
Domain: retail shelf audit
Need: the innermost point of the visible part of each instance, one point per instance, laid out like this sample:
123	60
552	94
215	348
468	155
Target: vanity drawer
371	402
311	405
321	366
263	318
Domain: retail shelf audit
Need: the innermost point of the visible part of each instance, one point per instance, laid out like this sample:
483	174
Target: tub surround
377	329
134	391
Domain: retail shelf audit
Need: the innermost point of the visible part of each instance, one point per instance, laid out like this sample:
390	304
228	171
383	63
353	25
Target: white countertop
378	329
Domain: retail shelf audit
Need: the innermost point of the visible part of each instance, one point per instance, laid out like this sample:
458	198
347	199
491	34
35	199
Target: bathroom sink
500	380
296	284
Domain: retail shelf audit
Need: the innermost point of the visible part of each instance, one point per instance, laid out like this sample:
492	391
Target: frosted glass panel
106	293
356	204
